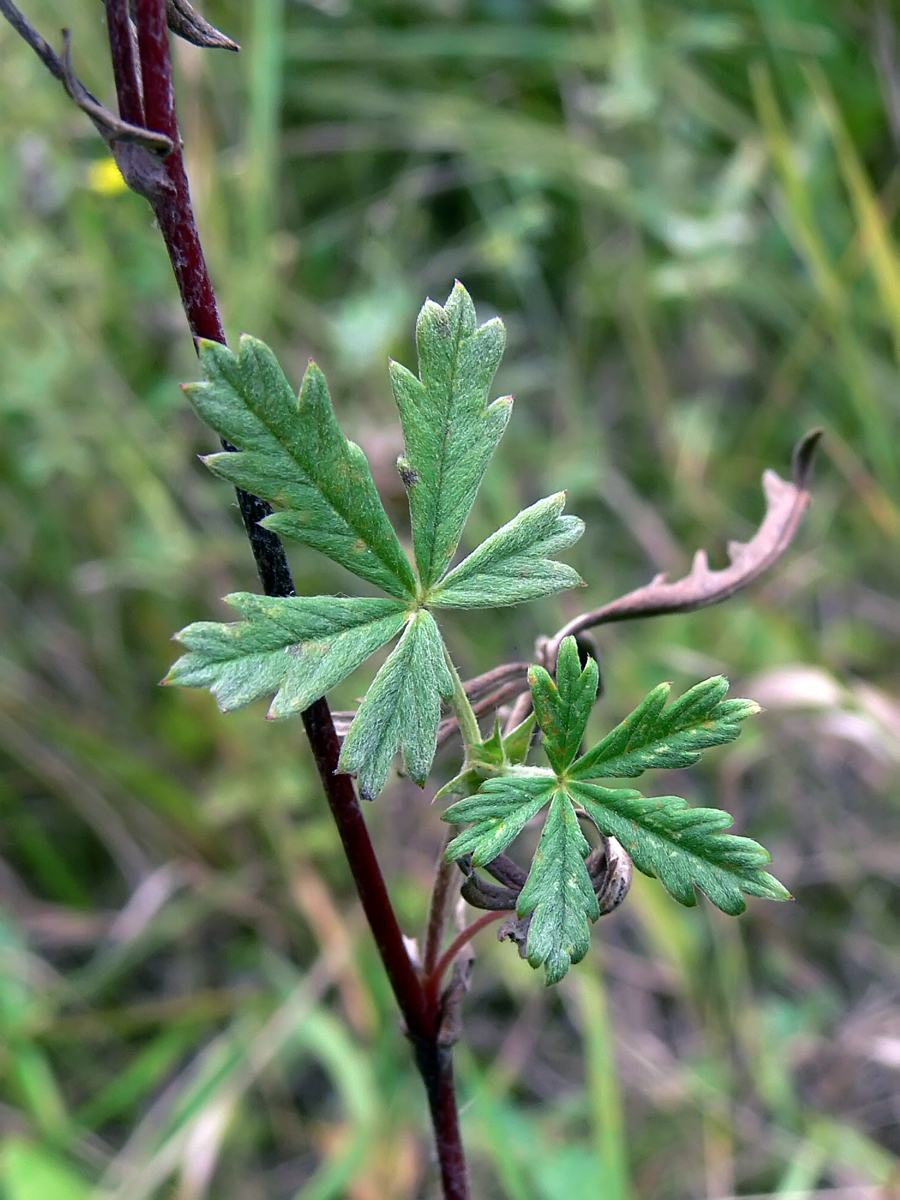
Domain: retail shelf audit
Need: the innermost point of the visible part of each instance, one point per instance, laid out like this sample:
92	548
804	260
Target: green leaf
31	1172
517	743
563	708
684	848
297	647
656	736
514	564
449	429
489	758
559	894
294	454
402	709
500	811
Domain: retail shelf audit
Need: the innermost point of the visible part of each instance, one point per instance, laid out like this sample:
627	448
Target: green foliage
559	894
684	848
486	759
293	453
297	647
401	709
715	312
31	1172
514	564
656	736
499	810
563	708
449	429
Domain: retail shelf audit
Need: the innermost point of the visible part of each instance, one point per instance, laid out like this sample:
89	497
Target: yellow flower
105	177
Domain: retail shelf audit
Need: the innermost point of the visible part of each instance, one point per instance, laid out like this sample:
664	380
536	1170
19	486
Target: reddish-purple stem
435	1063
125	68
421	1018
173	209
146	95
433	982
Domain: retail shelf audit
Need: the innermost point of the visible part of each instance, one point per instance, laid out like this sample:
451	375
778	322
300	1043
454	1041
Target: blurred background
685	212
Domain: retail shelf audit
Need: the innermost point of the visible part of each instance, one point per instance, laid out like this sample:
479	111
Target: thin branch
443	894
126	71
373	894
786	502
449	726
423	1019
115	131
433	982
29	34
435	1063
462	709
481	685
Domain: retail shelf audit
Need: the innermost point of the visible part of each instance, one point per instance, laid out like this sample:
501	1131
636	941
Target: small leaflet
297	647
401	710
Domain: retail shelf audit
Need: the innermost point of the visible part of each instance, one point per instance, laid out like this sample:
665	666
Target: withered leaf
184	20
786	502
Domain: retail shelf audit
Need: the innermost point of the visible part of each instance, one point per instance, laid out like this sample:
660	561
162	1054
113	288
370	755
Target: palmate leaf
684	848
656	736
449	429
514	564
297	647
401	710
293	453
559	894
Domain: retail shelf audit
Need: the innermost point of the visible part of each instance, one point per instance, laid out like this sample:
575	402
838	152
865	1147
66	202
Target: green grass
686	214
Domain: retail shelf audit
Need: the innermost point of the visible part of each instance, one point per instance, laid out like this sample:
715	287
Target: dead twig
111	128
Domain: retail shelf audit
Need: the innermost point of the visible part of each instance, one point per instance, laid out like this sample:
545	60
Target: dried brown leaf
184	20
786	502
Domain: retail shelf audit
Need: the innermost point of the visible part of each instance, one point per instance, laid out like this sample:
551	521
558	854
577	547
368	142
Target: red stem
125	68
435	1063
421	1018
433	982
173	210
151	79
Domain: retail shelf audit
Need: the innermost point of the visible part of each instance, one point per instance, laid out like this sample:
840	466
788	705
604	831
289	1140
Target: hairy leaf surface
682	847
297	647
685	848
559	894
401	710
656	736
449	429
490	758
563	707
514	564
294	454
500	811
